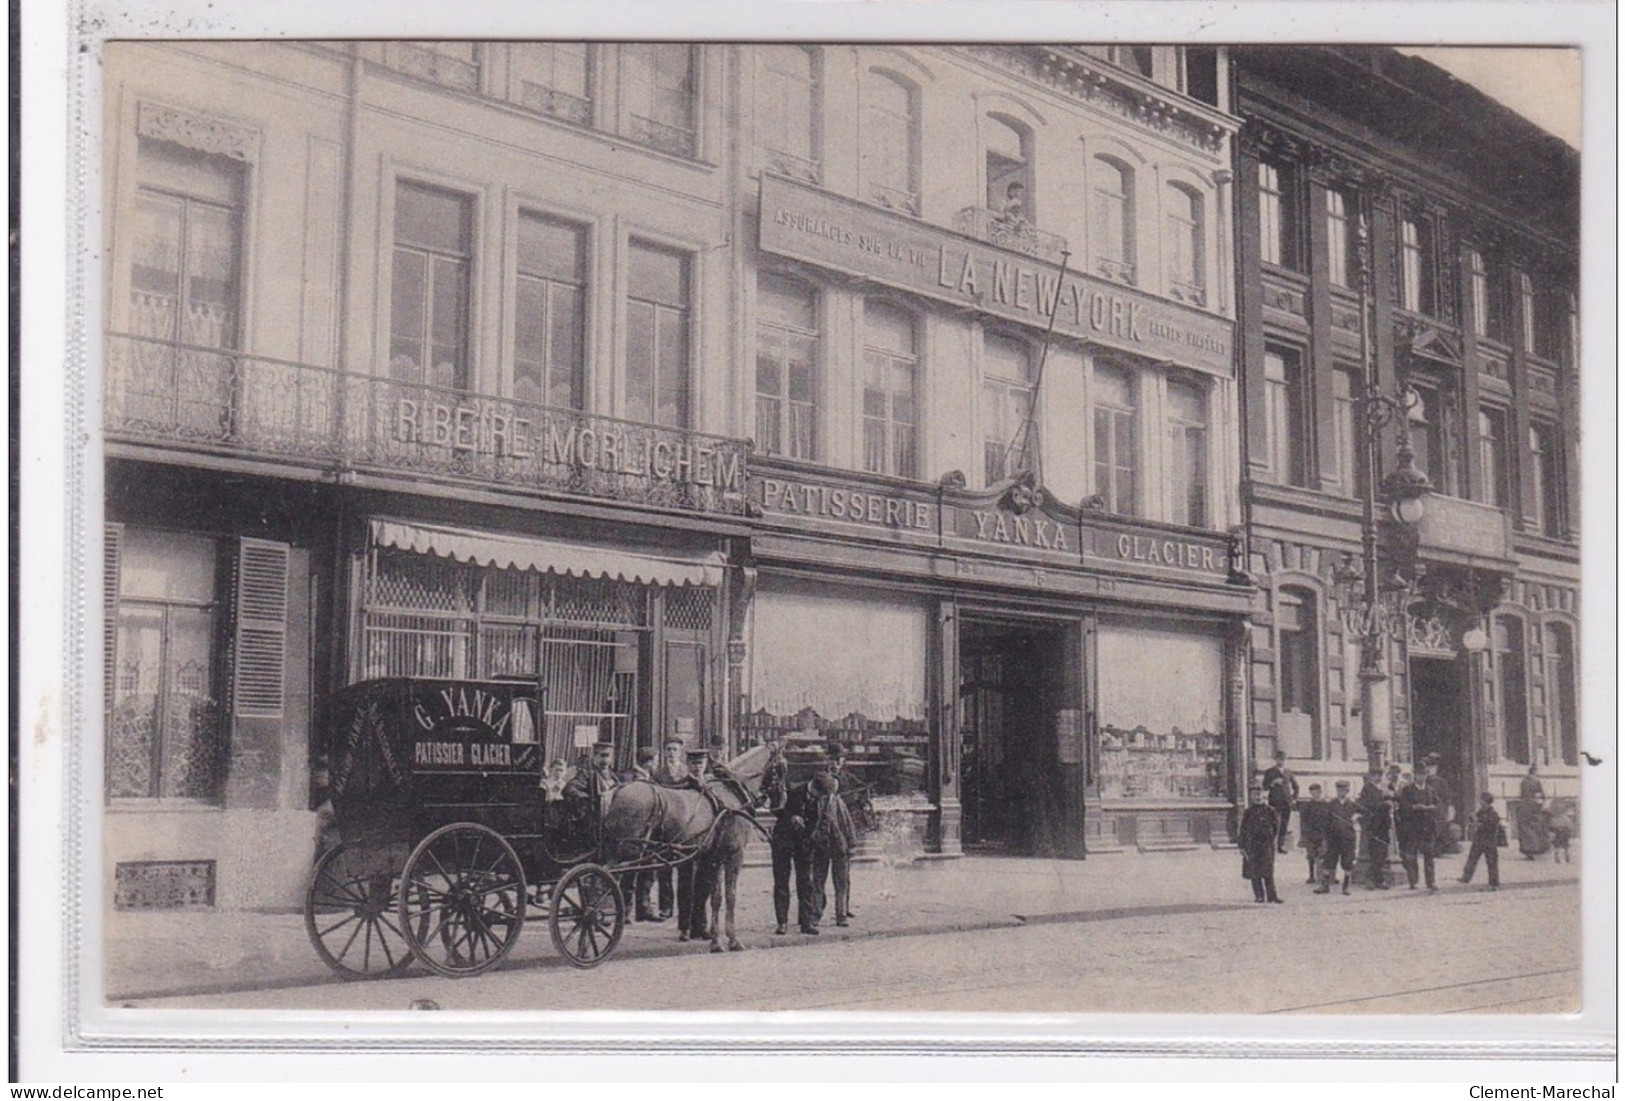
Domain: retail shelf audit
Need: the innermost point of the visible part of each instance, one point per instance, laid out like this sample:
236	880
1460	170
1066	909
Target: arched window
891	365
1562	692
890	129
1116	439
1183	232
1187	452
1297	649
1009	169
1007	404
790	100
786	367
1112	196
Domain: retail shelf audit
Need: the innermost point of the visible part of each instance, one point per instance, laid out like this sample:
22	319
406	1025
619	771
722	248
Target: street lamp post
1374	607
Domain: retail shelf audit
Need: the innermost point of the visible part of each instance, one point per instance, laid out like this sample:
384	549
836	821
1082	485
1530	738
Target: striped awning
513	552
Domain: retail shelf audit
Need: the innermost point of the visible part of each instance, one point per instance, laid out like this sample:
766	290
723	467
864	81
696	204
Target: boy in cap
1312	829
1337	845
1486	828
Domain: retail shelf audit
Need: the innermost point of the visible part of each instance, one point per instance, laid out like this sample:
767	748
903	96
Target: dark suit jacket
1280	787
1339	820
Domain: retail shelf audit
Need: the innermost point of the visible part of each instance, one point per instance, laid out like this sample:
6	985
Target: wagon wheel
352	920
589	915
462	899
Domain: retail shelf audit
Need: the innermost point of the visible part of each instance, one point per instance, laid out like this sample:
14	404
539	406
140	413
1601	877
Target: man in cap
692	890
1418	821
1376	820
595	781
1255	837
1281	792
1337	840
840	857
831	838
672	771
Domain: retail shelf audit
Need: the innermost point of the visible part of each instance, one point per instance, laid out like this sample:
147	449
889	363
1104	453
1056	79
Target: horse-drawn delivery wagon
447	840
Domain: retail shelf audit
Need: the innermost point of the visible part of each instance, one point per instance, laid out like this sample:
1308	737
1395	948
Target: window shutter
260	631
112	544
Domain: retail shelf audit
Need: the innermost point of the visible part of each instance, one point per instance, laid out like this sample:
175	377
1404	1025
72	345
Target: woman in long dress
1534	837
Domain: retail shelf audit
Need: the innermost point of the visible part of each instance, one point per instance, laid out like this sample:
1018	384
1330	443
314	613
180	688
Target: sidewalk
191	952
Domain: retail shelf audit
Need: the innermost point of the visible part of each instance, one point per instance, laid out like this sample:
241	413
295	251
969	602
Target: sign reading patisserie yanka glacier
807	224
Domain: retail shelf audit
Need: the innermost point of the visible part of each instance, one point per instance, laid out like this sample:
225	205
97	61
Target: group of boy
1392	806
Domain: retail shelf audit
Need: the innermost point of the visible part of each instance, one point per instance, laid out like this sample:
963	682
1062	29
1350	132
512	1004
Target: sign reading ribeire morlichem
808	224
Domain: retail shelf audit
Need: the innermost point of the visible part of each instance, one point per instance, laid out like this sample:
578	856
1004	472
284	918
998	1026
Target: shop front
1071	685
624	639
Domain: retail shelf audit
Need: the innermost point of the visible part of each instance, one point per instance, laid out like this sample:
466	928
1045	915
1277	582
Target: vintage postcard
1003	540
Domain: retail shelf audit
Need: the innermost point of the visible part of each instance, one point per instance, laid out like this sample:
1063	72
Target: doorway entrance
1018	794
1441	723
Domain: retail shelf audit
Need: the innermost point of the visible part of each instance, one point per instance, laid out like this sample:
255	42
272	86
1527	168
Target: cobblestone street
1166	933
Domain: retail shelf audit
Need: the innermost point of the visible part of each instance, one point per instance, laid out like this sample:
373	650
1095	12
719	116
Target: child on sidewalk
1562	831
1486	827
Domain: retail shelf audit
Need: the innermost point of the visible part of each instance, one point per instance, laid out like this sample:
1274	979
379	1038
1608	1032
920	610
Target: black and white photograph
839	526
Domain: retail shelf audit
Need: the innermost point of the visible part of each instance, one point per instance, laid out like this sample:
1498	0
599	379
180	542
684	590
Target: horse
643	820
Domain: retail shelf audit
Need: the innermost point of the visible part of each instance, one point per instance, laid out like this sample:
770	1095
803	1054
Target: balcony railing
663	136
551	101
1014	233
174	395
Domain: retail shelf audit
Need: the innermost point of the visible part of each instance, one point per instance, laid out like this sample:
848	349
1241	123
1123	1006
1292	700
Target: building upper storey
1469	252
551	265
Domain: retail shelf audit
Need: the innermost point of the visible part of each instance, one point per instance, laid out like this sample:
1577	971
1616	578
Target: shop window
657	336
1545	470
1188	452
1347	439
1112	196
1009	438
1277	216
1510	679
890	404
791	103
429	304
1563	691
1285	434
1116	439
786	367
549	358
187	251
166	730
452	64
1492	457
1341	226
1009	170
1183	234
1416	269
1297	648
554	78
890	141
657	96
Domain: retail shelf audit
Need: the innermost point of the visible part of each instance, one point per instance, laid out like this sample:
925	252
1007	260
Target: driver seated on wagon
584	792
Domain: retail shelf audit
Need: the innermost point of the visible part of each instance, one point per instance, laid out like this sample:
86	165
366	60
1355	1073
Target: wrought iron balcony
1014	233
185	397
551	101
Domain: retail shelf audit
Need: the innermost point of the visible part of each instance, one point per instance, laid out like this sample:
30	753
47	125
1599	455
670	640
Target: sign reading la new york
807	224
